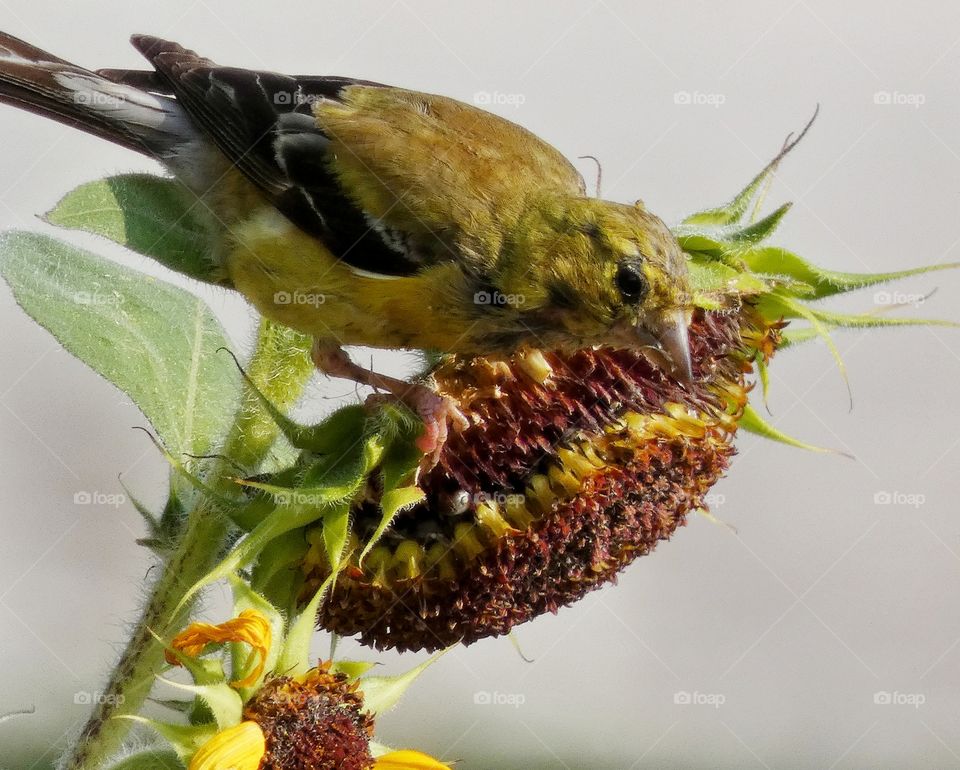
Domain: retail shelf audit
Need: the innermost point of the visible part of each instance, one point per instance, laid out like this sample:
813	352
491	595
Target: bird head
603	273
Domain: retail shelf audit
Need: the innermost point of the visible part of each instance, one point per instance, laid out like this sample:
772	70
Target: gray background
818	600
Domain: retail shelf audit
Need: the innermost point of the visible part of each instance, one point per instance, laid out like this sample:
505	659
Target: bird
366	214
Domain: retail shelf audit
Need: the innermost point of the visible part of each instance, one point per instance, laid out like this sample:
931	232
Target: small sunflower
264	717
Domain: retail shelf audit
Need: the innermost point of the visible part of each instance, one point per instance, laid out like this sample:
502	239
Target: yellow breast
290	277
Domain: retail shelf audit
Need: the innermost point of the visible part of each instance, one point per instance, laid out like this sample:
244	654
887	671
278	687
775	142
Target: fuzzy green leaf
874	320
295	658
773	260
277	573
398	470
329	481
220	698
717	286
336	530
152	215
718	239
185	739
152	340
762	228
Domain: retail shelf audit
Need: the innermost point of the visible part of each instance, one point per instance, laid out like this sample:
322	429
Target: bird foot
437	412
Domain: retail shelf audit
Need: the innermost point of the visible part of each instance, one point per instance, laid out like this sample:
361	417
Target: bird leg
437	412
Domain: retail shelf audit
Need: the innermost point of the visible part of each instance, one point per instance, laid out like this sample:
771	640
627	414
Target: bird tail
35	80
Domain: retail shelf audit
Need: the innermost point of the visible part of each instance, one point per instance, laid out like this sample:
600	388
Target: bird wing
389	180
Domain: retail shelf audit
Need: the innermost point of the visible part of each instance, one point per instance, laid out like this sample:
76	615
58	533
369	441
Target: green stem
280	370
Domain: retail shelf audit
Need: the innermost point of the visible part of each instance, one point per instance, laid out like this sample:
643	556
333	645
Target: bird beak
673	338
666	342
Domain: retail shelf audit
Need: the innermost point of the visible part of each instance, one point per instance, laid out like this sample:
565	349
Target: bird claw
438	413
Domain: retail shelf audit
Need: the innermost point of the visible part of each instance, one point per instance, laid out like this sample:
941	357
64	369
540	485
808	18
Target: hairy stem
280	370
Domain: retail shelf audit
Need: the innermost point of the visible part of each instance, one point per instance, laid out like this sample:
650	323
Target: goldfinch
364	214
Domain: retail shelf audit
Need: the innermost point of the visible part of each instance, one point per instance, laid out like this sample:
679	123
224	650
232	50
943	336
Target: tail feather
145	80
35	80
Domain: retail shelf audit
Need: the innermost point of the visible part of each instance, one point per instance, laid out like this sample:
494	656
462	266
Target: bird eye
631	282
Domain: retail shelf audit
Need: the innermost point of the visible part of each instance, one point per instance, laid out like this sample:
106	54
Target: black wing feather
263	122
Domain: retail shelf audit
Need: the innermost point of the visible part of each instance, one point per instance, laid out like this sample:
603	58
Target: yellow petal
407	760
236	748
250	627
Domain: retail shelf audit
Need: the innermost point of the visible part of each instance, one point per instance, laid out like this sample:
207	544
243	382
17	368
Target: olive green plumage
366	214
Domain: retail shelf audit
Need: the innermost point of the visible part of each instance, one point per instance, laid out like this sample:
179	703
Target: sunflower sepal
185	740
294	657
382	693
220	700
325	482
352	669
